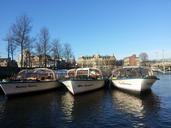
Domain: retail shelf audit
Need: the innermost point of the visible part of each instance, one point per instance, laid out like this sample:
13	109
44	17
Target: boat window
144	72
71	73
61	74
95	74
131	73
82	72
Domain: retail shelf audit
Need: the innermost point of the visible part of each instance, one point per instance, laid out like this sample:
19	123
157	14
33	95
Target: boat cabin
40	74
131	72
84	73
88	73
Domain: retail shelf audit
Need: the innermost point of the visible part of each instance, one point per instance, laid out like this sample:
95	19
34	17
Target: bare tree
39	51
67	53
20	33
29	47
56	50
8	39
44	38
143	56
11	46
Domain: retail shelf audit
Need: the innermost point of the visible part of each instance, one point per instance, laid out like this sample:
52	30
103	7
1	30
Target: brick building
132	61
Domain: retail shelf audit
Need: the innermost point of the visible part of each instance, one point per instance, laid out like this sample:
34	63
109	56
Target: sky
106	27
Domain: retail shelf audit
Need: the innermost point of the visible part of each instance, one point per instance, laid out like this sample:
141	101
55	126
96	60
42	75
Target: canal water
102	108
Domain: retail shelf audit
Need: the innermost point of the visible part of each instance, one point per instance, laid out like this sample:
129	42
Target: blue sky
107	27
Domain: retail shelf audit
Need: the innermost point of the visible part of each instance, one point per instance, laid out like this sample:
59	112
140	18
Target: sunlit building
97	61
4	62
34	60
132	61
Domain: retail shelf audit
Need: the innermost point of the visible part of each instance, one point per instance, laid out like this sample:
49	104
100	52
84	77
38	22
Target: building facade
132	61
97	61
35	60
4	62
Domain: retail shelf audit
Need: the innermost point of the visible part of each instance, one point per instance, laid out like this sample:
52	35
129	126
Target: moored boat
133	78
38	79
83	80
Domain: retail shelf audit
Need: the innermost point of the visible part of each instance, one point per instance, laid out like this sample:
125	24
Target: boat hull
136	85
12	88
80	86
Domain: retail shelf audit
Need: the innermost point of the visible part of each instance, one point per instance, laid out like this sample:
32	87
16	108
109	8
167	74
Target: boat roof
131	67
25	72
134	67
71	70
87	69
42	69
62	70
36	70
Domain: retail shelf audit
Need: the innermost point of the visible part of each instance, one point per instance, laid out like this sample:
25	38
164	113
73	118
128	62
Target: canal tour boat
133	78
83	80
38	79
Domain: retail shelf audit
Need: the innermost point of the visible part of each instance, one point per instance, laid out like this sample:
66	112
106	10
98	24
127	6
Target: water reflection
67	105
80	106
2	106
31	110
101	108
138	107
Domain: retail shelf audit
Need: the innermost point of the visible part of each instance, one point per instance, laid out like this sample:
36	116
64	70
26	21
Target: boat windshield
61	74
96	74
89	73
82	72
131	73
36	74
71	73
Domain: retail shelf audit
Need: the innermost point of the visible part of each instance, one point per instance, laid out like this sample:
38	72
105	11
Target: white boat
83	80
38	79
133	78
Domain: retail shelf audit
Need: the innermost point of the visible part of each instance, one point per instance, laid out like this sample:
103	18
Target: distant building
97	61
132	61
39	61
26	58
7	62
34	60
4	62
